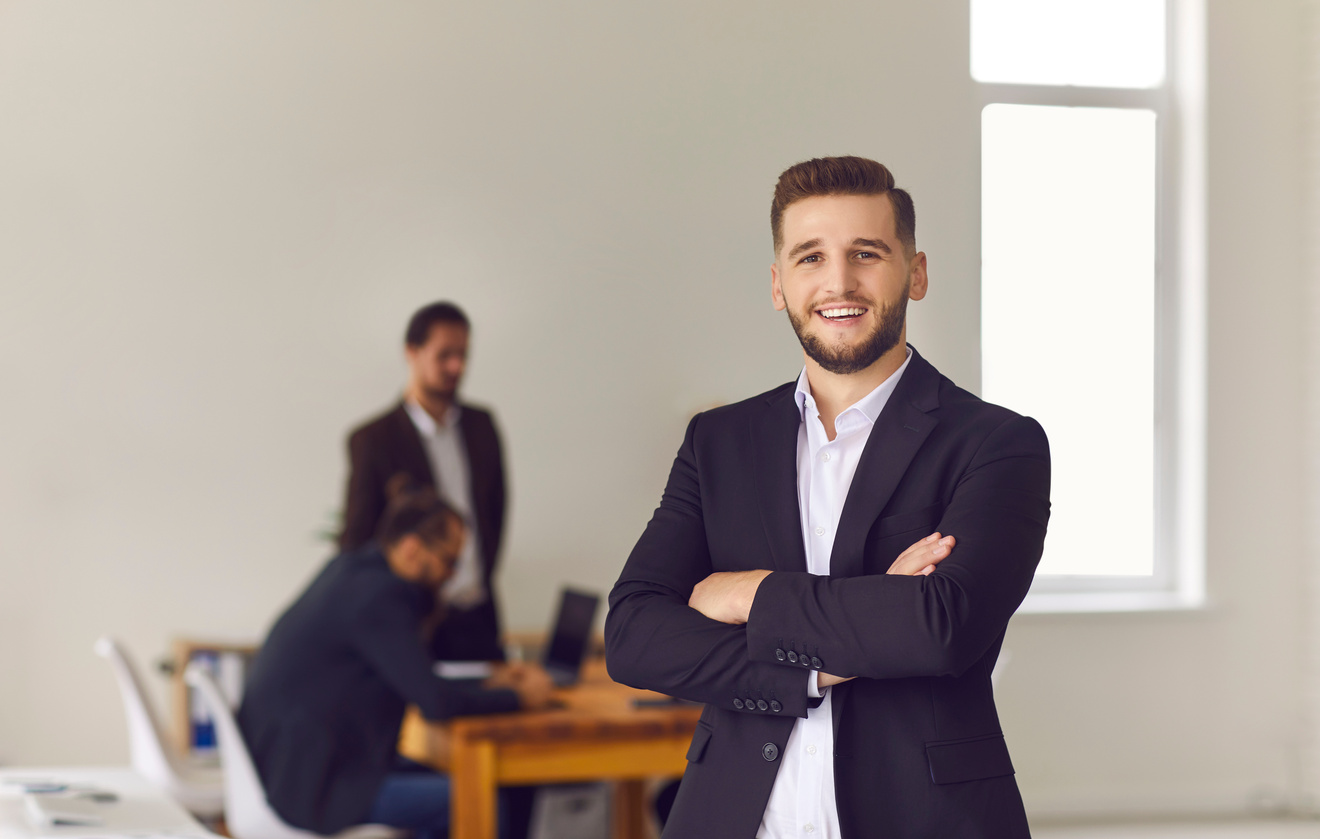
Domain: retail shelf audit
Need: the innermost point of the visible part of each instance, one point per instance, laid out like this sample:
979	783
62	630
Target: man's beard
843	359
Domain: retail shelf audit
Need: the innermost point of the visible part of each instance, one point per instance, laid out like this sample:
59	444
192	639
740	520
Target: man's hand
530	681
921	558
726	596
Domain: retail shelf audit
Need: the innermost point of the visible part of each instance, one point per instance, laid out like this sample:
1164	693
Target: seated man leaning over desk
325	698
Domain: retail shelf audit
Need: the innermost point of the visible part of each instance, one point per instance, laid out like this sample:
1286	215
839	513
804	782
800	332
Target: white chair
199	789
247	813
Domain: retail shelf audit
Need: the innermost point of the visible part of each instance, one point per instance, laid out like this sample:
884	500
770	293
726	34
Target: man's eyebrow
877	244
803	246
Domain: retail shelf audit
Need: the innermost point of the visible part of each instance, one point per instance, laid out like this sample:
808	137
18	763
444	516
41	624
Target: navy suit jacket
918	747
324	700
389	444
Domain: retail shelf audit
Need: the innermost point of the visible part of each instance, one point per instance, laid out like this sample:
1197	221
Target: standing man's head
420	534
436	348
846	263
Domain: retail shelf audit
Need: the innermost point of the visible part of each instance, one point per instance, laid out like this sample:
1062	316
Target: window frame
1177	580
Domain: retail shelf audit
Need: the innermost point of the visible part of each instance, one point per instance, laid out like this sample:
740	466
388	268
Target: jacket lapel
899	433
774	446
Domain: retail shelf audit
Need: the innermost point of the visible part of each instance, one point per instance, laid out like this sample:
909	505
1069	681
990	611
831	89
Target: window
1091	289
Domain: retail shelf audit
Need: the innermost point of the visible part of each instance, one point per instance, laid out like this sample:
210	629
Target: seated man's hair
842	176
414	509
419	325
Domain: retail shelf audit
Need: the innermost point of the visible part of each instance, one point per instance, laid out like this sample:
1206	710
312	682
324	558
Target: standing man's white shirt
802	800
447	453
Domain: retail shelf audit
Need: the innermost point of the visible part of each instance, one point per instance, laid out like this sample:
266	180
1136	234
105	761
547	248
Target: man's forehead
839	216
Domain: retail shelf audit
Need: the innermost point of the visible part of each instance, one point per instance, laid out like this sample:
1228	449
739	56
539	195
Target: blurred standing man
846	675
453	447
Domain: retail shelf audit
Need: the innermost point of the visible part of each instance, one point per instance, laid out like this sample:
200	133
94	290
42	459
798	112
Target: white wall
215	219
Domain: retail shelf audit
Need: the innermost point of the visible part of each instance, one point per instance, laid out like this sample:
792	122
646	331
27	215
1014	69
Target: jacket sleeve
884	626
654	640
365	499
385	632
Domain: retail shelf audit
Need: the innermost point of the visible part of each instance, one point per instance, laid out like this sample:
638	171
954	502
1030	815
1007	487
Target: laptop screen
572	632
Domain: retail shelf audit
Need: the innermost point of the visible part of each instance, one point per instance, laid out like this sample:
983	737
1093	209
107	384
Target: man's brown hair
842	176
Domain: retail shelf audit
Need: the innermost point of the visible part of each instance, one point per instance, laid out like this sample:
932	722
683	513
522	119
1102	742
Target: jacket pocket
700	738
924	519
968	759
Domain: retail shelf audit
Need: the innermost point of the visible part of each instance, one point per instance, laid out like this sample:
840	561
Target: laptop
571	636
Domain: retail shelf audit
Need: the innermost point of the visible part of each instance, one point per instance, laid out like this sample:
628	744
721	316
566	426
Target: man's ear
776	290
917	271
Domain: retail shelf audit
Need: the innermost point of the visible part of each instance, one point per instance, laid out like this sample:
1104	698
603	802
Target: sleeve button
762	705
775	706
792	656
816	663
737	703
779	654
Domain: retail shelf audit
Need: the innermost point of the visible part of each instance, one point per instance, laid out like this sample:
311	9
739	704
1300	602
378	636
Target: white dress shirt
802	804
447	454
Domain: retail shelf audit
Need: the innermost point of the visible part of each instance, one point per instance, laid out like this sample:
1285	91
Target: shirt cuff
813	688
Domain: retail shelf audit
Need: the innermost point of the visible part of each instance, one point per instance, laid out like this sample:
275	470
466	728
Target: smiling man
834	562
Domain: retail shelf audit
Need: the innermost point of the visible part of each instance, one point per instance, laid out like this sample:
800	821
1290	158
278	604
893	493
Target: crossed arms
696	614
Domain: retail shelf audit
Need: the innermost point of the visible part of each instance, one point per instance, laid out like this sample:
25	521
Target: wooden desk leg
630	810
472	790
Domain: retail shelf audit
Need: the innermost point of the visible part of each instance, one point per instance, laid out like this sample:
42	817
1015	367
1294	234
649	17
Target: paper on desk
60	810
463	669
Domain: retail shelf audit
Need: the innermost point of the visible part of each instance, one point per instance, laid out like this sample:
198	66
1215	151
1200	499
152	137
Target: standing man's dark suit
390	444
918	747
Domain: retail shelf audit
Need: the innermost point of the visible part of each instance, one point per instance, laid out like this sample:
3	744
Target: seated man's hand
726	596
530	681
921	558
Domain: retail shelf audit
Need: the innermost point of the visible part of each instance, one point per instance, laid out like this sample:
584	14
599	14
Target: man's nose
841	277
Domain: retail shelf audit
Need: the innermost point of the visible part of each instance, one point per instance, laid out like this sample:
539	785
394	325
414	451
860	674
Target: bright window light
1068	316
1092	43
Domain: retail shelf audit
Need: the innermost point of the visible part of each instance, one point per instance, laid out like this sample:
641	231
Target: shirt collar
869	406
426	424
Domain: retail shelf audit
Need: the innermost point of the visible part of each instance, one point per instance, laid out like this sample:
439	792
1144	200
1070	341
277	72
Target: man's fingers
922	557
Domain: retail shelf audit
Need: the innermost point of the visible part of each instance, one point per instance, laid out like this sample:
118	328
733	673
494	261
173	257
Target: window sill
1092	602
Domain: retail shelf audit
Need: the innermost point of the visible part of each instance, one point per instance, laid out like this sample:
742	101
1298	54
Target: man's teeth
842	313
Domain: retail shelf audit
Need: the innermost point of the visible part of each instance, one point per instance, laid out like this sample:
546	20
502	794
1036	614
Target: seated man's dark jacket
325	698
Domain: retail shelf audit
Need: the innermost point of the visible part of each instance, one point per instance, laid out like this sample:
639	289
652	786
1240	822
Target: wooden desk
599	735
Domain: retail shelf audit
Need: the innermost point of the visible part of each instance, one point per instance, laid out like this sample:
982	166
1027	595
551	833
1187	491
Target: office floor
1216	830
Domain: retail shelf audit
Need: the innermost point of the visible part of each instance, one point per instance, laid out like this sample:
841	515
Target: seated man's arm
385	633
894	626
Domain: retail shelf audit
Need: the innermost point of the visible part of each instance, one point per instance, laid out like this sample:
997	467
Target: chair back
247	813
147	746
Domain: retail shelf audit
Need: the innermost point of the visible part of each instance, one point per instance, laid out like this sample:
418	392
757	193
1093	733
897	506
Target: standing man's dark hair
845	668
451	447
419	325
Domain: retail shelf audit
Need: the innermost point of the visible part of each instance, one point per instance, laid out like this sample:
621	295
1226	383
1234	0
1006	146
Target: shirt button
809	827
811	750
820	531
825	457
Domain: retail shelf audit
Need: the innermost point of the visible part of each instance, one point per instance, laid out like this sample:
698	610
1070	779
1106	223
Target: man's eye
812	258
865	255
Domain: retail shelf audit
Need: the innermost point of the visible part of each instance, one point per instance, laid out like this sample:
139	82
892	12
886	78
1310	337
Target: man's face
436	367
442	555
845	279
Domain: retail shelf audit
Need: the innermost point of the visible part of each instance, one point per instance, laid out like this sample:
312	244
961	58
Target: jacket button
749	704
816	663
775	706
762	705
804	660
737	703
769	751
779	654
792	656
